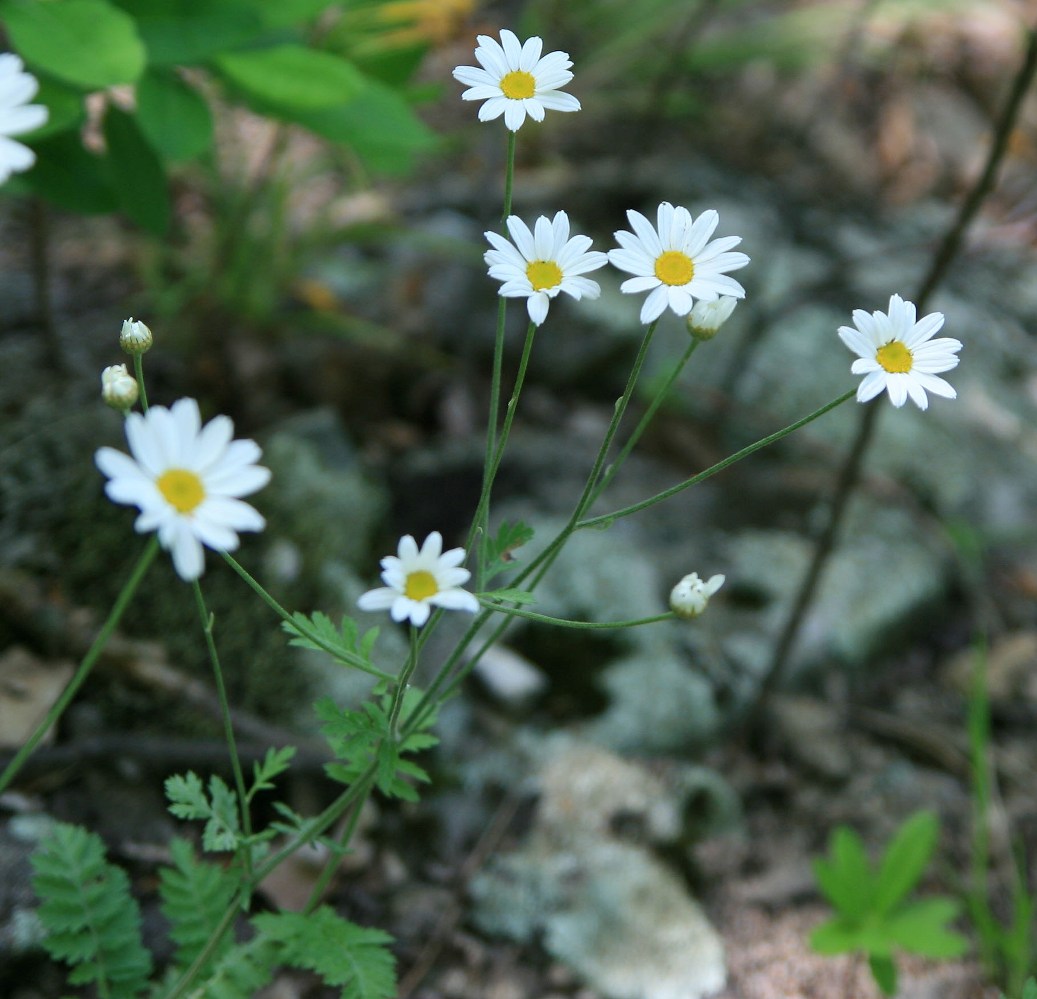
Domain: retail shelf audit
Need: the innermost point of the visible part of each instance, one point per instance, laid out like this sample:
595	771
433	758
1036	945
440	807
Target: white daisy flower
416	580
515	80
186	479
675	262
690	597
17	115
897	354
540	264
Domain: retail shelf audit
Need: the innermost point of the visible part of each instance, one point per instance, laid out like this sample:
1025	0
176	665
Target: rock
509	678
601	902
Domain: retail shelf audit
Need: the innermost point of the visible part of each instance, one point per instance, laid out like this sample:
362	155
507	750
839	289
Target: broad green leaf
287	13
905	860
884	971
64	106
840	936
291	77
846	877
186	32
89	43
173	116
66	174
920	928
376	123
137	174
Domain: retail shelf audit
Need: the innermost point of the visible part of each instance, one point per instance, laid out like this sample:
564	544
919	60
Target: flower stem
339	653
402	683
208	622
607	518
509	176
646	419
579	625
87	664
495	454
138	370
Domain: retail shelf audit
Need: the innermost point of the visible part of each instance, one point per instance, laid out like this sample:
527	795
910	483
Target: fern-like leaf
341	952
92	920
195	894
241	972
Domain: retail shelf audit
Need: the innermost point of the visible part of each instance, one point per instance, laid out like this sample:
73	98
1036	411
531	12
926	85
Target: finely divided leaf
195	894
92	920
341	952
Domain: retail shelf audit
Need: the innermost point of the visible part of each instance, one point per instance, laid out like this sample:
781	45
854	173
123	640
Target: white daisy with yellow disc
515	80
898	354
675	261
538	265
187	480
416	580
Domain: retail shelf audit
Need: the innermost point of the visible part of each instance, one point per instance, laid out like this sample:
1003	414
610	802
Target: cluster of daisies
188	480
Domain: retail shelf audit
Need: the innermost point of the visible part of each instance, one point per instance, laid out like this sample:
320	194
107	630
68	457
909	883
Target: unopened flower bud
135	337
707	317
118	387
690	596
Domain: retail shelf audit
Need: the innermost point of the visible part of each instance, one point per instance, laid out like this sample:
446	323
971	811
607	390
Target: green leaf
341	952
499	551
920	928
840	936
884	971
173	116
905	860
195	894
376	123
70	177
137	173
92	921
86	42
319	634
291	77
186	32
287	13
845	878
65	110
275	763
186	796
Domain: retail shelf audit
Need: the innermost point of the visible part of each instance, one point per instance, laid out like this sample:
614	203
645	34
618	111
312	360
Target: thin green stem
495	455
561	622
138	370
401	685
85	666
607	518
339	653
208	622
646	419
335	860
509	176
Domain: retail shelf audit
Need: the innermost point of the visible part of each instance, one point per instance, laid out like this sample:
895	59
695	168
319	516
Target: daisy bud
135	337
119	388
707	317
690	596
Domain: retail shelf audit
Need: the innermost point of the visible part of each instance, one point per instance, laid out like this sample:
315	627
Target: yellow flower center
895	357
181	488
420	585
543	274
674	268
518	85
